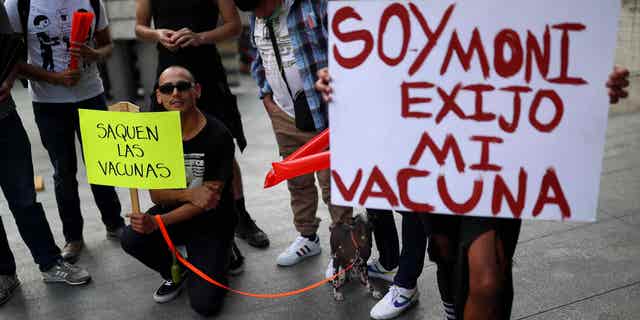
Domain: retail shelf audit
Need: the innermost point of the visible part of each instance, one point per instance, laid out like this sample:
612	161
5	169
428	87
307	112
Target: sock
449	310
311	237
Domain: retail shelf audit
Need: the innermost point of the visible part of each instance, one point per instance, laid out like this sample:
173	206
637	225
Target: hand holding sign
142	222
618	81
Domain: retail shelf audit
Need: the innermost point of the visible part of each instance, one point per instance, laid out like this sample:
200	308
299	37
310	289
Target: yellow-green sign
133	150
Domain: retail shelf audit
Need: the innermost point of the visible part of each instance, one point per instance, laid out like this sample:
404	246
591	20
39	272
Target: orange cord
202	275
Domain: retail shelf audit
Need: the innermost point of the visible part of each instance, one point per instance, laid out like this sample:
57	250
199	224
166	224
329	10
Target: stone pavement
563	270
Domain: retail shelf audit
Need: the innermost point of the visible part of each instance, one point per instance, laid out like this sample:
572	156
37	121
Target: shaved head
176	71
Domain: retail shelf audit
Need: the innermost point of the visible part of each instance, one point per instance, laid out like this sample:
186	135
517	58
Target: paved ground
563	270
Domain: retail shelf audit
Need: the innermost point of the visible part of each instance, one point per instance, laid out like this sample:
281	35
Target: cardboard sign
483	108
133	150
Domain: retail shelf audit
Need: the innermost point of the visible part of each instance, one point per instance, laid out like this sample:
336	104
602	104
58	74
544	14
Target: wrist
53	78
186	195
156	226
201	38
156	35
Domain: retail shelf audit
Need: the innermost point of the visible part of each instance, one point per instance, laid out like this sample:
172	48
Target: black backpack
24	6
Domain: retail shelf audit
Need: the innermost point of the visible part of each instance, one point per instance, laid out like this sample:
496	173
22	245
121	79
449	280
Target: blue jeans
59	125
16	181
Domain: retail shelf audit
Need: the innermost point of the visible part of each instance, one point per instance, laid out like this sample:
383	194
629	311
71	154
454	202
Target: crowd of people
473	255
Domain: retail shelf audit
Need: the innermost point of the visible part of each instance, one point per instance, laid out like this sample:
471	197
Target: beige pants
304	195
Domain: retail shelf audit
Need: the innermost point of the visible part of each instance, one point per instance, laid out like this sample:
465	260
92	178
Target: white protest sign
481	108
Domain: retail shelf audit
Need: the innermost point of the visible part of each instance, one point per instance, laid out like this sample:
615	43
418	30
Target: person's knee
486	284
206	308
130	240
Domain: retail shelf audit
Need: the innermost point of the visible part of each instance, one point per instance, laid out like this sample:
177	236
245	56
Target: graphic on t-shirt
41	24
65	26
194	166
262	39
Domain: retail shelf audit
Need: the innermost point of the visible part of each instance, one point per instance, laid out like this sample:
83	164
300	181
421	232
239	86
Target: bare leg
487	276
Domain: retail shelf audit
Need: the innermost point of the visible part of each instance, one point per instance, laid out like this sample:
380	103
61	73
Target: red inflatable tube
294	168
315	145
80	27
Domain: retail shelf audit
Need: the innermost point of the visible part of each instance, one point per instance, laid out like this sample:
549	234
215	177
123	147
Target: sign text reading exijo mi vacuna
492	108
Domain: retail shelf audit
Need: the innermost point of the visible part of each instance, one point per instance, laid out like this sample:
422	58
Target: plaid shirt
307	23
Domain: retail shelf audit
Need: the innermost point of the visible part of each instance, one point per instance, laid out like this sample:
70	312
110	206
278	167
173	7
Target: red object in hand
294	168
80	27
289	168
315	145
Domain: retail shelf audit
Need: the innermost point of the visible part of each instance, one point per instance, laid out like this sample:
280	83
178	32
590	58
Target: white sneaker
300	249
396	301
376	270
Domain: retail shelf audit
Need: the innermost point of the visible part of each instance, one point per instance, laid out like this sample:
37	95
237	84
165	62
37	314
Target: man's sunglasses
182	86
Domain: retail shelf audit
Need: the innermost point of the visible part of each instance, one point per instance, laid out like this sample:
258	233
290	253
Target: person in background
129	53
57	93
16	172
187	32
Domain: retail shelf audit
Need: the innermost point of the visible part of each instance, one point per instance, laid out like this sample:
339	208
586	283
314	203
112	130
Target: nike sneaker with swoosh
394	303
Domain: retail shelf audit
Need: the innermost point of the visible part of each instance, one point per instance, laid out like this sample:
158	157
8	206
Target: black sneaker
236	264
167	291
249	231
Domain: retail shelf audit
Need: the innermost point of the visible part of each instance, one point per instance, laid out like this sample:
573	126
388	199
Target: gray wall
628	51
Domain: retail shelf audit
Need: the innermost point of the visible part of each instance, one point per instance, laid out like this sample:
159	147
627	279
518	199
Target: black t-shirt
203	61
209	157
198	15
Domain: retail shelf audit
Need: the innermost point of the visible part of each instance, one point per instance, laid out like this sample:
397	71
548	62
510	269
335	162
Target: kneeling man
200	217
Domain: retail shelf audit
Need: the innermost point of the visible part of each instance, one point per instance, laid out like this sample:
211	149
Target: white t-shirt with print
49	30
272	73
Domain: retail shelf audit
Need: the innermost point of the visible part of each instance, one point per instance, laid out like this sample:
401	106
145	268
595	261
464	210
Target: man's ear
158	100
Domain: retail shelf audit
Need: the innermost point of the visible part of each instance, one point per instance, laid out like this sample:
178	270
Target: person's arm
144	30
266	93
230	28
5	87
102	51
258	73
67	78
146	224
205	196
